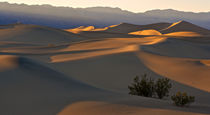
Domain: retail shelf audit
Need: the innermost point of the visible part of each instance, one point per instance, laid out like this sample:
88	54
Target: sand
37	34
80	29
146	32
185	26
86	71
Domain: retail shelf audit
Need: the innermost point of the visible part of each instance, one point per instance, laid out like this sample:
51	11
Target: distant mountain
67	17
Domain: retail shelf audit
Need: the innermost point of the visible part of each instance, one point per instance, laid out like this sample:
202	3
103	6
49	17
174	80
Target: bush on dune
148	88
182	99
143	87
162	87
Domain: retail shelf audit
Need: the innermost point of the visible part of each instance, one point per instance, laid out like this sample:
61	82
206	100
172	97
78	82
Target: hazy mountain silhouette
67	17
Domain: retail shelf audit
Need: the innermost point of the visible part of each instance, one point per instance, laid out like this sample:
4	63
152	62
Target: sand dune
103	34
54	91
127	28
146	32
28	87
47	71
184	34
180	48
71	57
88	28
81	47
36	34
183	70
185	26
123	59
80	29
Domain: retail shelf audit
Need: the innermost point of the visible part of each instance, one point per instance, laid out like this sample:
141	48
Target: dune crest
172	25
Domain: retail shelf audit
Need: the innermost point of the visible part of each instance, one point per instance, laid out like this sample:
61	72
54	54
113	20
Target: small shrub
182	99
162	87
143	87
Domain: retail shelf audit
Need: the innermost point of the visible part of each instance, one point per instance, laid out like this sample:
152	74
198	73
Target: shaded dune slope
180	48
36	34
127	28
28	87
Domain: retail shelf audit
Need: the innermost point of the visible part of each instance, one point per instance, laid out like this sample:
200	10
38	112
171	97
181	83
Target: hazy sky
131	5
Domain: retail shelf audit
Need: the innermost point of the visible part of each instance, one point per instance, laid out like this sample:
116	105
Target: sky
130	5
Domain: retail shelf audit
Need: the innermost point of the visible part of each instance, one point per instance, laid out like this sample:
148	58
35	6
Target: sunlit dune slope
184	34
88	28
146	32
80	29
36	34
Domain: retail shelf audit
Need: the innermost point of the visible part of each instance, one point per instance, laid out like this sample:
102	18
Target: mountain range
68	17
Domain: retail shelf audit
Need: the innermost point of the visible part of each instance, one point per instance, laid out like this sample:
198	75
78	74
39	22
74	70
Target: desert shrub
182	99
143	87
162	87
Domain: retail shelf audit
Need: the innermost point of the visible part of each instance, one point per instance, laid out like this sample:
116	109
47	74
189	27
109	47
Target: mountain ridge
68	17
